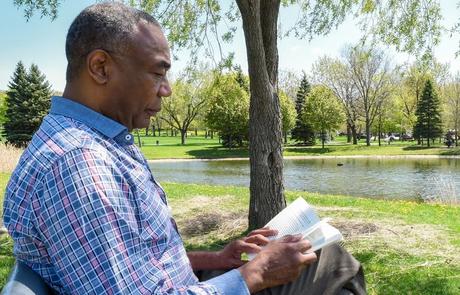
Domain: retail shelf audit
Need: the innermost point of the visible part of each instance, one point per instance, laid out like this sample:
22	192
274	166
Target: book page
300	218
322	236
297	218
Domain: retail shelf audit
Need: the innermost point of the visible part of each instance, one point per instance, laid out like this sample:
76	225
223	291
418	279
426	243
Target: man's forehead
151	37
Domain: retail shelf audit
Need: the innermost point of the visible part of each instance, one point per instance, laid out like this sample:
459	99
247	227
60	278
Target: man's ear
98	66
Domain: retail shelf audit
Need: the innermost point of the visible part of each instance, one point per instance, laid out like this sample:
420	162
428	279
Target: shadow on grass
176	144
417	148
308	150
451	152
219	152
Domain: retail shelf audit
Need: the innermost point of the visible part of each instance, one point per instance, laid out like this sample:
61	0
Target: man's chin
143	124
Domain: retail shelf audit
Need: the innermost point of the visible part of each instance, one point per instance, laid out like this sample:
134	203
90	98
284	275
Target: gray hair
109	26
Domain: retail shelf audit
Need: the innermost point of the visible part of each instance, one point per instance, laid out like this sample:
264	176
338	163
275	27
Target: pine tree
428	124
303	130
27	102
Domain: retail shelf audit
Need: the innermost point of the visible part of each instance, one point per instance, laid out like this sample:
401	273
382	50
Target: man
83	207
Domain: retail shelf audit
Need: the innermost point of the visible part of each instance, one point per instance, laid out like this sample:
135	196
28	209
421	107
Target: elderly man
83	207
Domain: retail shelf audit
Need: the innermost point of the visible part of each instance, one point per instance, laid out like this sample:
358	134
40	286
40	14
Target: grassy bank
199	147
405	247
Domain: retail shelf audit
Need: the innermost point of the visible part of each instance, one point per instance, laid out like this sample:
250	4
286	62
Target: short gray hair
107	26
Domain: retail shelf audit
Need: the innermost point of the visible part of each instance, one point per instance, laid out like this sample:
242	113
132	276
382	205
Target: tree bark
353	134
348	133
265	136
182	136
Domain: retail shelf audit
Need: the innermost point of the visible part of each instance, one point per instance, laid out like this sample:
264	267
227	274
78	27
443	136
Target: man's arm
84	216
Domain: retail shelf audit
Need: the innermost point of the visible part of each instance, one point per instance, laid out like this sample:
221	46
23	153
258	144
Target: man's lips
152	112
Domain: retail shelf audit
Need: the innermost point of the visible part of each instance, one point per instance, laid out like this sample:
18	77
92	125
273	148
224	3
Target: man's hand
230	256
280	262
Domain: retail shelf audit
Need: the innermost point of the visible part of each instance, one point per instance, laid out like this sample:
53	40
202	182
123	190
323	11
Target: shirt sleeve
230	283
92	238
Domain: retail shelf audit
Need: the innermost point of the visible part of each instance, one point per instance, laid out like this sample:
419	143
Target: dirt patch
351	229
423	240
206	222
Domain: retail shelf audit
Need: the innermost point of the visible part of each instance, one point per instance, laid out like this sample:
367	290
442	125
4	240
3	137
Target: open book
300	218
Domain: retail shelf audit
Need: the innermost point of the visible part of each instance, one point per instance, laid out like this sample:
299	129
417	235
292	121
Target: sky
42	41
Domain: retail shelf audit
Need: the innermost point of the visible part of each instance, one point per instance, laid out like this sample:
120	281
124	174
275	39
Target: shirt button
128	137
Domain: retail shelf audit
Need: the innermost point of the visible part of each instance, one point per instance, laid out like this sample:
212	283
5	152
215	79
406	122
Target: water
396	178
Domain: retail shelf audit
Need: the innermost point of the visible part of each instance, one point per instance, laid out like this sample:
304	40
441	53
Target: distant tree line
358	95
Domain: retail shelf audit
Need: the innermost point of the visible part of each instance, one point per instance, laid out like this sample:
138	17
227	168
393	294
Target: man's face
139	78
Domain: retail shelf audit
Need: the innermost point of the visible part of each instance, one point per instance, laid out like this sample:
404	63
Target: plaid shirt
87	215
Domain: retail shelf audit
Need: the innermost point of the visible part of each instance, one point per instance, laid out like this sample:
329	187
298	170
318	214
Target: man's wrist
252	276
204	260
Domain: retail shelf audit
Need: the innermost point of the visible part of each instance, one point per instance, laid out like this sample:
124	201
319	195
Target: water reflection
372	177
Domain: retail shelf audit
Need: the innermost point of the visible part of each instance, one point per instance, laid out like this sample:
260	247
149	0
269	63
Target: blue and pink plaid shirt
87	215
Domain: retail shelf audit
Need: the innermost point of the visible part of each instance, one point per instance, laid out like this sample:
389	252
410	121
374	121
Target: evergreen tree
303	130
27	102
428	124
241	79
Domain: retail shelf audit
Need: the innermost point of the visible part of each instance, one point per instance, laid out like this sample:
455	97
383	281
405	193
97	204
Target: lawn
200	147
405	247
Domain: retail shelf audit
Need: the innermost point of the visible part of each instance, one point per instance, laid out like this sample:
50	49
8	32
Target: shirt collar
105	125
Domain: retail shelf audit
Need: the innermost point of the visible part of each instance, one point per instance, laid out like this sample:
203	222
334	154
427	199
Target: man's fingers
308	258
265	231
303	246
248	247
291	238
257	239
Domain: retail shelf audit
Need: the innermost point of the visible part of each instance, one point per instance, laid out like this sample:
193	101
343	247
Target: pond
396	178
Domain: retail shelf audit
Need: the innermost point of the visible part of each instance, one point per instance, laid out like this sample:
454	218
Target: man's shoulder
57	137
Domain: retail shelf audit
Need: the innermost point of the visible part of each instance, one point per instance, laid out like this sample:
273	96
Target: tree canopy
228	109
323	111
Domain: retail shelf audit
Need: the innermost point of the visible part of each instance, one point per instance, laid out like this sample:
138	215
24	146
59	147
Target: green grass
405	247
199	147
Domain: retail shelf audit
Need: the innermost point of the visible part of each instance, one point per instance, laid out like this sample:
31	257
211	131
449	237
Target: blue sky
41	41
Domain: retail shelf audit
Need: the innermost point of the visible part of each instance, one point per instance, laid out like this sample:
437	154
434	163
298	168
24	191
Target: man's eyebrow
164	64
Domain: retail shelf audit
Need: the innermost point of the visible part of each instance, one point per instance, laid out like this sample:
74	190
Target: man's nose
165	89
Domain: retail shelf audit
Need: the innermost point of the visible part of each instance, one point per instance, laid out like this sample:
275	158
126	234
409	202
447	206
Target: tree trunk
368	130
349	136
353	134
265	136
138	138
323	138
183	136
456	133
285	137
